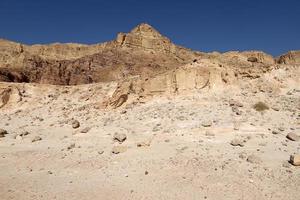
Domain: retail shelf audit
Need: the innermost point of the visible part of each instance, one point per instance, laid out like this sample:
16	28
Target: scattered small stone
295	160
254	159
3	133
120	137
242	155
284	143
118	149
85	130
275	132
123	112
252	124
156	128
100	152
71	146
237	142
21	135
235	103
75	124
293	136
36	138
275	108
182	149
143	144
281	129
181	118
25	133
206	123
146	172
236	110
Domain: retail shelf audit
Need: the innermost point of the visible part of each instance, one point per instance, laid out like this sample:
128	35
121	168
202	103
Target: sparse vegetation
261	106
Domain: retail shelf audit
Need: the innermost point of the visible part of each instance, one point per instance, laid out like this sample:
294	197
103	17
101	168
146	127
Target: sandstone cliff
292	57
143	52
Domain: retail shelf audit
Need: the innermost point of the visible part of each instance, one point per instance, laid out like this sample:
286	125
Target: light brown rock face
147	38
292	57
295	160
9	95
143	53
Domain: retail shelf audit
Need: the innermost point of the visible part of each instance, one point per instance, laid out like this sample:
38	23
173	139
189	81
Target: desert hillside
142	118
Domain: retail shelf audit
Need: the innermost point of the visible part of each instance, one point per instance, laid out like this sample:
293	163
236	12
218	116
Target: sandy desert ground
190	146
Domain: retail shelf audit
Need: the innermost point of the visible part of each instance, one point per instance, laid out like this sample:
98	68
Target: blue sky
211	25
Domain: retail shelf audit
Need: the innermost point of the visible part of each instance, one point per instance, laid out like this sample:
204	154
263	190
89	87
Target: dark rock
120	137
235	103
85	130
293	137
3	133
206	123
36	138
237	142
252	59
71	146
75	124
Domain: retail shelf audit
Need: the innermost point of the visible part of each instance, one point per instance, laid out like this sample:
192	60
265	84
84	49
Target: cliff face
292	57
146	38
142	52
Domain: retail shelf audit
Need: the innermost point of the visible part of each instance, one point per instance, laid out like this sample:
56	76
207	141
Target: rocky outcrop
202	74
147	38
142	51
292	57
9	95
246	58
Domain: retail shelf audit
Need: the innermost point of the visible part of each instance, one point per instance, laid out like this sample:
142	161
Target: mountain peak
145	29
146	37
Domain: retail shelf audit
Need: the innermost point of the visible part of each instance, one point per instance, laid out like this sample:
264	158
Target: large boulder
9	95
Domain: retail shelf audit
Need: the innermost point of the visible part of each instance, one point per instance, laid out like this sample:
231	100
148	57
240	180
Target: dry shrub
260	106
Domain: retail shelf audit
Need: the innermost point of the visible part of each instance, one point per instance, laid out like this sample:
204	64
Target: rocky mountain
142	52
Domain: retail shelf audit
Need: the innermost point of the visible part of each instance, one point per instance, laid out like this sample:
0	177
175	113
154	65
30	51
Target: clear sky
212	25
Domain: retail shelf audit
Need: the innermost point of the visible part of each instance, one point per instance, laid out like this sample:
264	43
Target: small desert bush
260	106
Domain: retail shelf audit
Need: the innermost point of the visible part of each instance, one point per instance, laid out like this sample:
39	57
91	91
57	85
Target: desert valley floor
141	118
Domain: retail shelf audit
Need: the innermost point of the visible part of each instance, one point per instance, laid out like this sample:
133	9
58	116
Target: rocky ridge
141	52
